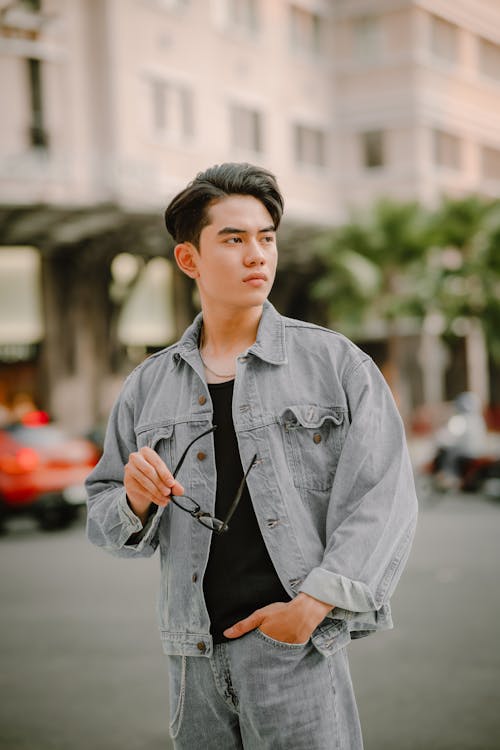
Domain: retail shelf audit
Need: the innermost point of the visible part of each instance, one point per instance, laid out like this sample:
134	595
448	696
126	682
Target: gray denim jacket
332	488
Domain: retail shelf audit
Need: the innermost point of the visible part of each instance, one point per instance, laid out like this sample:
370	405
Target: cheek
221	272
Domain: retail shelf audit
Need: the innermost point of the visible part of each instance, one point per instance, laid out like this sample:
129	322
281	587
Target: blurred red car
42	471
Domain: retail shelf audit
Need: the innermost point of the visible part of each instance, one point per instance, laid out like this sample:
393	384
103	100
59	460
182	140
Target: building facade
110	106
418	97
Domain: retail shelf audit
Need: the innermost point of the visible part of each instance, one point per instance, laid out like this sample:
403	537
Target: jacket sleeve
111	523
372	512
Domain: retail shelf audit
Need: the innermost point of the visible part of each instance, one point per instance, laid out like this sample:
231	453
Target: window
309	146
444	39
172	4
21	302
372	144
490	158
38	134
172	108
489	59
237	15
447	150
243	14
246	129
147	317
305	30
367	40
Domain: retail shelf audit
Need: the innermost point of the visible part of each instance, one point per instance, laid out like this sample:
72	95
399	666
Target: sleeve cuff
338	591
137	535
131	522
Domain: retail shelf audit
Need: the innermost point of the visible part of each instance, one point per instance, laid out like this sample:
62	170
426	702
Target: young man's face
236	262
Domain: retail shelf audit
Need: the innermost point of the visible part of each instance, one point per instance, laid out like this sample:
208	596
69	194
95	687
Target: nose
255	254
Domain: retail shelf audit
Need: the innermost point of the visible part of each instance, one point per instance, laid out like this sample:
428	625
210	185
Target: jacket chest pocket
313	438
159	438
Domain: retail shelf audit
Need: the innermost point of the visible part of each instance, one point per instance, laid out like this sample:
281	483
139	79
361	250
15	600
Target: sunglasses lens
186	503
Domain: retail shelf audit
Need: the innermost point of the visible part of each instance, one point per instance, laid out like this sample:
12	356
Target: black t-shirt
240	576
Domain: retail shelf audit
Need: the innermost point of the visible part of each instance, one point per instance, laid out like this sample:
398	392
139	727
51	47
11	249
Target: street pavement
82	667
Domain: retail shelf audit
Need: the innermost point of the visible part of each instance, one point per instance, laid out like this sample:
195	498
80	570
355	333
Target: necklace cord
217	374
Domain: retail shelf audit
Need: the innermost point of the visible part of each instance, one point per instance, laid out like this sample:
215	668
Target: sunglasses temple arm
237	499
181	459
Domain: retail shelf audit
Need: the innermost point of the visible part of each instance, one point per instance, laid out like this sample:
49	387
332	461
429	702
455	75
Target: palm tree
464	264
371	264
441	268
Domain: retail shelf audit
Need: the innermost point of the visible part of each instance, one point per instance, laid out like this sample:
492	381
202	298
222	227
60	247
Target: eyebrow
235	230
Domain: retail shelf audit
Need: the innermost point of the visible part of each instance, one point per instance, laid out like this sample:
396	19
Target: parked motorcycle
479	474
465	459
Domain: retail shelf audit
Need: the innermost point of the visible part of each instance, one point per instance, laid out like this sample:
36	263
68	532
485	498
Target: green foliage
466	268
400	259
367	262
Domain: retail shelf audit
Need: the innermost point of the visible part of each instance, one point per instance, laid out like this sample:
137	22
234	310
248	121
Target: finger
160	467
244	626
145	466
164	474
139	486
145	476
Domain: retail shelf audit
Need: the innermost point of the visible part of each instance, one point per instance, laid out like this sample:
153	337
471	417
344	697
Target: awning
21	317
147	318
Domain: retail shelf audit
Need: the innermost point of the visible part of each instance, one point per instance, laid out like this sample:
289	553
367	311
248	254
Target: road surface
82	667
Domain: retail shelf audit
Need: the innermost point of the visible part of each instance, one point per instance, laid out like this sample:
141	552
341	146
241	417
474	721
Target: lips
256	277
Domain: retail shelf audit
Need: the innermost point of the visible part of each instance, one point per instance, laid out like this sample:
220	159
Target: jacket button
201	456
202	400
194	577
201	647
317	438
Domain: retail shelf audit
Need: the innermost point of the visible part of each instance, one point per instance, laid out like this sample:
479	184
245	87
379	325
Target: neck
229	332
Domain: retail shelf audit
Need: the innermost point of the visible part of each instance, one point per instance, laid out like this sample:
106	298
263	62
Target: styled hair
187	213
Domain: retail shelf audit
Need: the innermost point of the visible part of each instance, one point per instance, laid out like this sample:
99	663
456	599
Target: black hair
187	213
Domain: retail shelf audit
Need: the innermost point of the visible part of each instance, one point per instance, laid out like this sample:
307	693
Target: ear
186	258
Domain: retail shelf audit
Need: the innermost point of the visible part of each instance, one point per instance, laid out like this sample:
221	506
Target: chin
258	296
250	301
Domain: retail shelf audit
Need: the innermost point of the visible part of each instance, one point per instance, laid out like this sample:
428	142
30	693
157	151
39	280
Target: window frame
441	147
483	43
360	26
301	148
314	36
372	141
490	155
437	25
239	111
173	101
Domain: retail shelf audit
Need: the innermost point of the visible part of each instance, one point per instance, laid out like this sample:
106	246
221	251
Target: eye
233	240
268	238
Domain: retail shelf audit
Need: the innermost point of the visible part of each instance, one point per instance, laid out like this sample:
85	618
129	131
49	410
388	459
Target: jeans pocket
280	644
177	691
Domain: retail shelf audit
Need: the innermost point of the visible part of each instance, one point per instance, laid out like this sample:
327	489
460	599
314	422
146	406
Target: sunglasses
189	505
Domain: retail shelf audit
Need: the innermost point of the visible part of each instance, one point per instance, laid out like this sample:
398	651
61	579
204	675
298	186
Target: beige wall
99	57
221	68
405	89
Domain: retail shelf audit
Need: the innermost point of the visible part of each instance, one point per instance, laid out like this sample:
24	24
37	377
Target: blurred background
381	121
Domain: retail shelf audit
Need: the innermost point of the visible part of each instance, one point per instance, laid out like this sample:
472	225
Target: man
291	513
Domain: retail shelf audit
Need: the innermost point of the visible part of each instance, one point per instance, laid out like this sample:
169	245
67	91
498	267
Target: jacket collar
269	345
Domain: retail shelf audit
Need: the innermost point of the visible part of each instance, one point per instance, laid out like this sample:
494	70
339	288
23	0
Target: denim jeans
260	694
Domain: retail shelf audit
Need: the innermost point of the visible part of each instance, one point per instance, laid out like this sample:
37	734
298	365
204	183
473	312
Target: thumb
177	489
244	626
